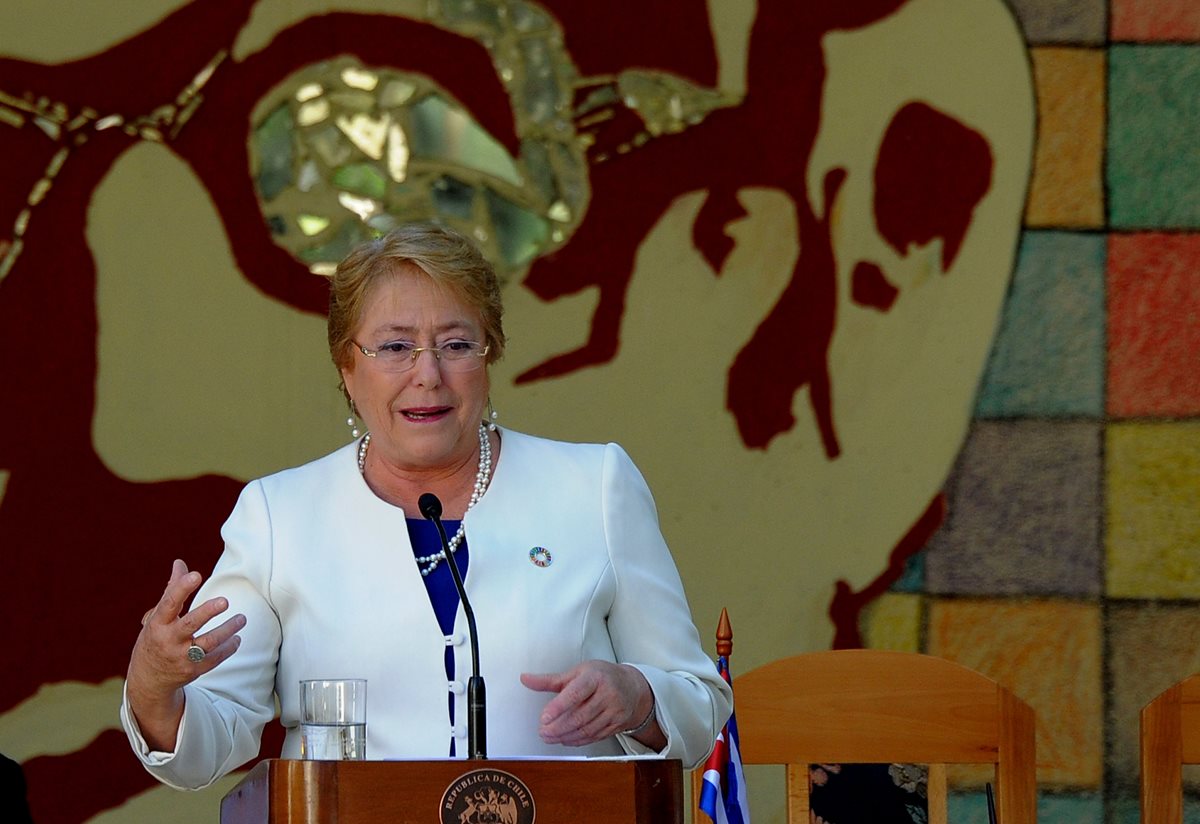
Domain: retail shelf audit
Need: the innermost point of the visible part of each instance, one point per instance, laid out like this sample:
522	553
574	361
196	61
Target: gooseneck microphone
431	509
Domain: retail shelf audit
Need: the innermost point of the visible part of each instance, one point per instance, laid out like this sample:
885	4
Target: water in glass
333	742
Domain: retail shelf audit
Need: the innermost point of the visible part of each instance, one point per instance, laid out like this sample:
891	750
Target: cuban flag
723	797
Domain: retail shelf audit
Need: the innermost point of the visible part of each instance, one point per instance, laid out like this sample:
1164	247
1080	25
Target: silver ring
195	653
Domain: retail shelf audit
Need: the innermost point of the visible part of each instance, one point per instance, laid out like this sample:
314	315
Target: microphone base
476	718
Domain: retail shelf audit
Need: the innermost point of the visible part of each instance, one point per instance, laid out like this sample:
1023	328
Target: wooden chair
874	706
1170	739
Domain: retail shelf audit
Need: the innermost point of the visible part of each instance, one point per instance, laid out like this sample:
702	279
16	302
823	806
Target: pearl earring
350	422
492	416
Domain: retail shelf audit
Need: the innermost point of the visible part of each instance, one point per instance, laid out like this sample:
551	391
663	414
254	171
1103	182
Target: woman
585	637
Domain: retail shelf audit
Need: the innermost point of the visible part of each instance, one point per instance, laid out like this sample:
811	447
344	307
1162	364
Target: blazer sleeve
226	709
650	623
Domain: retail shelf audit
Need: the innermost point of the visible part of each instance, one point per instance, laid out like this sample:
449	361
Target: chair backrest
876	706
1170	738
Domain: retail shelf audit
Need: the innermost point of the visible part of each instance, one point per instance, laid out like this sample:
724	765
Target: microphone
431	509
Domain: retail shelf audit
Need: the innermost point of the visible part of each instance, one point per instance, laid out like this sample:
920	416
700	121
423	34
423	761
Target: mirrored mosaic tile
273	143
351	143
521	232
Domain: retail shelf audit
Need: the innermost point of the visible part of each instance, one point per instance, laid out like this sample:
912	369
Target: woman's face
426	418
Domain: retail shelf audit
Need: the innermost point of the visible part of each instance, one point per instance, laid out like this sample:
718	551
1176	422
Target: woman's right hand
159	667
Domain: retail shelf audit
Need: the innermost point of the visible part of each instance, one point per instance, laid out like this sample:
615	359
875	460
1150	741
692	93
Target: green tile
1125	809
1052	808
1048	358
1153	163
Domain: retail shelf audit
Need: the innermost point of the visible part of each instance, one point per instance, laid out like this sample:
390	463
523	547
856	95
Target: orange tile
1049	654
1067	189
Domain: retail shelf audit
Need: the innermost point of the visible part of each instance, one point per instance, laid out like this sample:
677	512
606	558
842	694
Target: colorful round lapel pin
540	556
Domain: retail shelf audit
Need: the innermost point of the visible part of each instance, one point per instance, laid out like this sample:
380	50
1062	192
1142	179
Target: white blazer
323	571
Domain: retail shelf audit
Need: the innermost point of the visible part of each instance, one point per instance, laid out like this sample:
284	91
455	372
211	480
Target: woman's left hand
595	700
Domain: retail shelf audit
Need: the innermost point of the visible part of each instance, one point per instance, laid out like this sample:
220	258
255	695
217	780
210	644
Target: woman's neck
452	484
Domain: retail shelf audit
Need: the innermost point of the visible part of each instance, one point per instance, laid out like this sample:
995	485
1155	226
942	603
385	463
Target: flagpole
721	788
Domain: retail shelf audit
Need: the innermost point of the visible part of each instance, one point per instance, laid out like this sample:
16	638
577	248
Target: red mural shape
847	605
870	287
89	550
931	174
931	168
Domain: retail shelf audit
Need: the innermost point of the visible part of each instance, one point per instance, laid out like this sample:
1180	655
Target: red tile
1155	20
1154	325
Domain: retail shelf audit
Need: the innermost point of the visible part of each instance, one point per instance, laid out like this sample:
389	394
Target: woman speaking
586	640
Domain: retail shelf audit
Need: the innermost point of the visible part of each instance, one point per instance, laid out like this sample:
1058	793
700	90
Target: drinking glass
333	719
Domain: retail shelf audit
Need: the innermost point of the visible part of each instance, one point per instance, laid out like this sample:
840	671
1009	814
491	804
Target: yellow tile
1153	493
1067	187
1049	654
893	621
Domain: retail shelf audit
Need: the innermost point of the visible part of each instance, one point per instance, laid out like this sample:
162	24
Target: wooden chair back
876	706
1170	738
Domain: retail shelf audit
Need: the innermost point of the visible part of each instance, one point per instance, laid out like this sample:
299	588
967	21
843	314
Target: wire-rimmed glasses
453	355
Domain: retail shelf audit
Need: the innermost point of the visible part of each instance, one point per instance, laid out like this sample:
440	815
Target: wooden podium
278	791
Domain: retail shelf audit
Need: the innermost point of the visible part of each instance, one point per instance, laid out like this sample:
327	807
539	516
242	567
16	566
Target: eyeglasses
453	356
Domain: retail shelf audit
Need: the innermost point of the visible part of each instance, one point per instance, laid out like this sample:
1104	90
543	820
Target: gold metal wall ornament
341	152
71	130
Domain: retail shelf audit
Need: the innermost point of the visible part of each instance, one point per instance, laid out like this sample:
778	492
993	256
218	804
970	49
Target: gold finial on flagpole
724	635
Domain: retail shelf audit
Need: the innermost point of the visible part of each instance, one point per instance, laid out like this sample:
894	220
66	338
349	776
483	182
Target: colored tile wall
1049	653
1067	188
971	808
1153	159
1151	20
1024	513
1153	490
1061	21
1048	359
1154	324
1150	647
1069	564
893	621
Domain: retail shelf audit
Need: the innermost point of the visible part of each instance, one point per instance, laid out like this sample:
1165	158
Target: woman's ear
347	373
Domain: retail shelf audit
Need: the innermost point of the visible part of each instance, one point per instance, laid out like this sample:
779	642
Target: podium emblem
487	796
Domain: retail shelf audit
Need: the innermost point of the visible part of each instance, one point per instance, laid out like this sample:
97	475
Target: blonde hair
447	257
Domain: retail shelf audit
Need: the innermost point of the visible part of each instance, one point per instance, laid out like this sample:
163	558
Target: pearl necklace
482	477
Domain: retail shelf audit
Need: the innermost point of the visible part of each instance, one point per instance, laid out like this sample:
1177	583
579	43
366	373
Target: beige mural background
765	533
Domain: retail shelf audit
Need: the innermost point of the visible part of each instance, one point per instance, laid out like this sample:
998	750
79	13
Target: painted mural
894	303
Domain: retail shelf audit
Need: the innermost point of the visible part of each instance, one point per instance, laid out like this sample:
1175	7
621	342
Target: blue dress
443	595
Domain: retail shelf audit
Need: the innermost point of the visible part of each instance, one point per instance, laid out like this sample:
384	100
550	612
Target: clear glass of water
333	719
